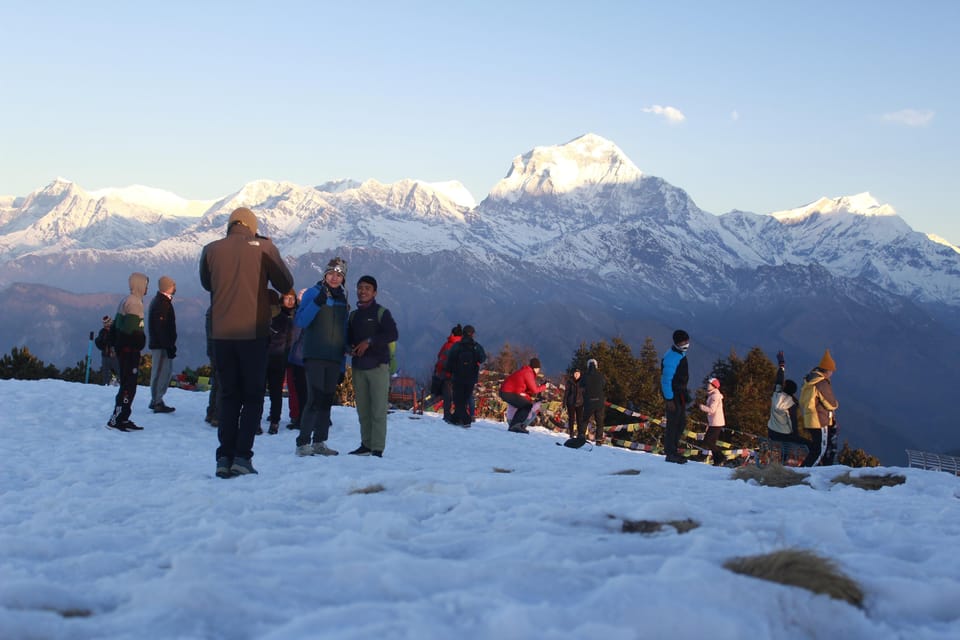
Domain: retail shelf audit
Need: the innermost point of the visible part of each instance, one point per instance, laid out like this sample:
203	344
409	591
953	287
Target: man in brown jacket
236	270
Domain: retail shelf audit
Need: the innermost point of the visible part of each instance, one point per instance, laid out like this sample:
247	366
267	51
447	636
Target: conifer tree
20	364
856	457
747	385
504	361
648	397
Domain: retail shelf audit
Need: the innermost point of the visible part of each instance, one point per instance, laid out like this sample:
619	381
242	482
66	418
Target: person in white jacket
713	408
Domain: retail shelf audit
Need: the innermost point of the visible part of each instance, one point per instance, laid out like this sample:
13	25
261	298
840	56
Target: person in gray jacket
236	270
322	316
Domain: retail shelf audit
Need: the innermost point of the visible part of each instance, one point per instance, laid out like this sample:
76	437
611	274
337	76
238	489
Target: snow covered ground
129	535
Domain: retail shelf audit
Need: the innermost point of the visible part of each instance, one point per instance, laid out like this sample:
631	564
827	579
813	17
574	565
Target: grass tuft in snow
800	568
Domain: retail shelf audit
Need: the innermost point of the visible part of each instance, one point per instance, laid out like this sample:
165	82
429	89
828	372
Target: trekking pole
86	376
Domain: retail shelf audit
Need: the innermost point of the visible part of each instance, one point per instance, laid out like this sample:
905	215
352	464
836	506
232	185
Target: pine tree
648	396
504	361
856	457
20	364
746	385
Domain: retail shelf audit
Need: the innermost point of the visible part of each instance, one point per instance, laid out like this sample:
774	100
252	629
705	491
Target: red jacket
440	370
523	381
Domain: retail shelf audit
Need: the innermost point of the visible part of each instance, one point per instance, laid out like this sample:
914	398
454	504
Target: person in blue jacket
674	377
322	316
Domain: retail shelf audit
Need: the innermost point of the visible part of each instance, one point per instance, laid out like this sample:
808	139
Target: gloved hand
670	406
321	298
172	353
780	361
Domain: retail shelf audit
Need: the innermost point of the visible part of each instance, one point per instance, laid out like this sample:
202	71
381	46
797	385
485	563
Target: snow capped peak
58	187
862	204
454	191
153	199
935	238
587	161
338	186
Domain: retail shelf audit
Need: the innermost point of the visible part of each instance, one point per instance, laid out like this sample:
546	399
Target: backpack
392	346
466	364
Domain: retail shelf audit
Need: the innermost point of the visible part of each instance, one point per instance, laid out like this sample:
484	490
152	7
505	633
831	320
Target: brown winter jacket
817	400
235	270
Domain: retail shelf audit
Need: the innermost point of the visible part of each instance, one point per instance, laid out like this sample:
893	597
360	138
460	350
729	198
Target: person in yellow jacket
818	405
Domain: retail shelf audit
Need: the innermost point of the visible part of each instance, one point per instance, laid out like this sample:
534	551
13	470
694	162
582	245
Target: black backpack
466	363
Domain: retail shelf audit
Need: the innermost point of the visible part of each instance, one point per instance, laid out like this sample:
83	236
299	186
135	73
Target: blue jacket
674	375
324	326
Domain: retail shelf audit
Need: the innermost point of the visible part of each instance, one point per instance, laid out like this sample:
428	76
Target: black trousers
575	424
276	370
446	389
710	442
520	403
676	423
129	362
594	413
462	391
322	377
242	368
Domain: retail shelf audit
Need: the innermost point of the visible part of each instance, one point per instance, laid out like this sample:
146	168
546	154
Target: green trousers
371	389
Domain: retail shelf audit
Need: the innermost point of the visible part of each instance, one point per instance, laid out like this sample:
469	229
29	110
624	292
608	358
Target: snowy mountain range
579	206
574	244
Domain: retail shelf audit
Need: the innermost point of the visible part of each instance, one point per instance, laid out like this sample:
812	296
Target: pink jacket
714	408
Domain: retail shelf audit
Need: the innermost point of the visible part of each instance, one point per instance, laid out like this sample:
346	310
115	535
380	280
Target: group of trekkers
813	413
260	336
250	343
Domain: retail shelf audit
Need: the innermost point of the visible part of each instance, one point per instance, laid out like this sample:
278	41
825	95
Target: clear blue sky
782	103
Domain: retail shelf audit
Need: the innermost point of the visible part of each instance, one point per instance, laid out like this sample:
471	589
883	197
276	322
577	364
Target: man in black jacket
573	401
370	330
594	401
162	329
463	364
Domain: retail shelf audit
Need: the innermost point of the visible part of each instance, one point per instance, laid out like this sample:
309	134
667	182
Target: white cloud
672	114
910	117
734	115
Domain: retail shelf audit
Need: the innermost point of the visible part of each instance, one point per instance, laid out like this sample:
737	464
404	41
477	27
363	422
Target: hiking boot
321	449
242	467
293	425
274	428
259	430
676	459
518	428
223	467
212	420
378	454
162	408
360	451
129	425
116	425
304	450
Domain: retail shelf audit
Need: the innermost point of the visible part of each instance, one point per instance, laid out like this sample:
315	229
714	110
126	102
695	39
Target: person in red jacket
442	379
518	391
